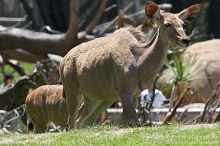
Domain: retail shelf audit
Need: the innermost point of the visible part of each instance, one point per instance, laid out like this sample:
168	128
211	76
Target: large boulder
201	62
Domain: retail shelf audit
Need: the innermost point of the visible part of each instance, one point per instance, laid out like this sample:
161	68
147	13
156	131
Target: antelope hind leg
73	103
88	108
93	117
40	127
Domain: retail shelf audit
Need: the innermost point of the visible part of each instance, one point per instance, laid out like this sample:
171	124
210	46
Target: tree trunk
213	18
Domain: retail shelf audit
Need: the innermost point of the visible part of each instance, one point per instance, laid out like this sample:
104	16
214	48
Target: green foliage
173	134
28	67
184	69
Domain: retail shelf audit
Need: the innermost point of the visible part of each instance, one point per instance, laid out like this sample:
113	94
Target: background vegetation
28	67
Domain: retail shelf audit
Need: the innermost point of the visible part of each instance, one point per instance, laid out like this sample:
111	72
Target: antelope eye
167	24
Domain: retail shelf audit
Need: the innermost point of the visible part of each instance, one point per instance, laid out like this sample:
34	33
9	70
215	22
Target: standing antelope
117	65
44	105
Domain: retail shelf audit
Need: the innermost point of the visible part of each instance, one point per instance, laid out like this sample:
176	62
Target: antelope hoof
132	123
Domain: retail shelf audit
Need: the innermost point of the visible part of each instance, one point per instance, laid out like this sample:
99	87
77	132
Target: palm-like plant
185	69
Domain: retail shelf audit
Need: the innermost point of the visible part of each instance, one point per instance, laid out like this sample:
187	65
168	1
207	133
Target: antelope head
172	24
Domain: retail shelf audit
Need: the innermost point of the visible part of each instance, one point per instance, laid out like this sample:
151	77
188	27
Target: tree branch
22	55
40	43
16	67
98	16
73	21
35	42
170	115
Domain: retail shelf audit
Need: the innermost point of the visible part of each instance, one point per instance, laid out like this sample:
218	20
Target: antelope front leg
129	113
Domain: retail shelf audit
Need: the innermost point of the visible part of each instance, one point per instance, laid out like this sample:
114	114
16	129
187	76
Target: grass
173	134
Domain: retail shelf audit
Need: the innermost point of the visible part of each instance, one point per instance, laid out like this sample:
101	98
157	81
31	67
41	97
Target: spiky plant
185	69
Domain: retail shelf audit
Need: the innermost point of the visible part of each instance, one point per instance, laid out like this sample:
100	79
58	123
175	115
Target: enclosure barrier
165	110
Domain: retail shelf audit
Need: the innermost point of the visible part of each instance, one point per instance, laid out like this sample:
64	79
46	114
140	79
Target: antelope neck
153	55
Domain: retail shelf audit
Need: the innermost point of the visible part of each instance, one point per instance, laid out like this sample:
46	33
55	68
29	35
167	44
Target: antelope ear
152	10
190	13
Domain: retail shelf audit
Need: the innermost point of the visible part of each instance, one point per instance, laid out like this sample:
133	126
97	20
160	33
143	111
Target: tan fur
110	67
138	34
44	105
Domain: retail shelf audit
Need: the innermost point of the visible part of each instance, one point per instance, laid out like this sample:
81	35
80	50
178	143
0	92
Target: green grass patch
174	134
